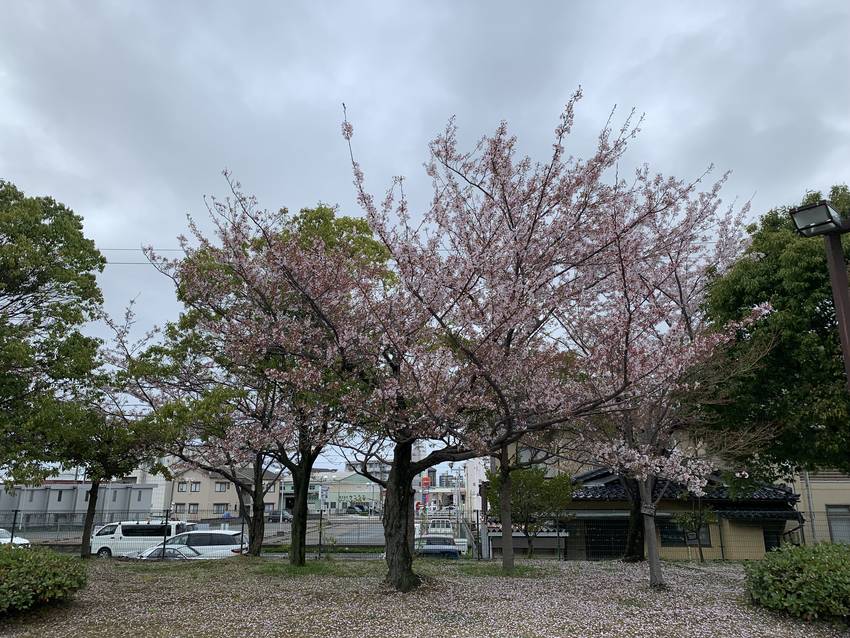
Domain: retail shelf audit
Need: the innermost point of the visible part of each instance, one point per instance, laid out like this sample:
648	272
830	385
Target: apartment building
195	494
825	505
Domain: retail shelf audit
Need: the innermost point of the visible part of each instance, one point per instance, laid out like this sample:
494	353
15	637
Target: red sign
426	482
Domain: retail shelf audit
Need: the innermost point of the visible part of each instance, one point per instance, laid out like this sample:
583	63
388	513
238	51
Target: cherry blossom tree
256	368
655	341
500	248
509	254
557	293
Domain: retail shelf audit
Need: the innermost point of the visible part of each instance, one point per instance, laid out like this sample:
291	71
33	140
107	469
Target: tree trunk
297	547
88	523
529	541
257	519
635	552
505	511
656	578
398	527
699	544
256	524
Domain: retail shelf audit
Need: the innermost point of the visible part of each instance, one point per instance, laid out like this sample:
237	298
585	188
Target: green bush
33	577
807	582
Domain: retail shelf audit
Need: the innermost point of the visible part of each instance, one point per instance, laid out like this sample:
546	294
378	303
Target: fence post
320	534
480	542
165	527
14	522
558	535
242	533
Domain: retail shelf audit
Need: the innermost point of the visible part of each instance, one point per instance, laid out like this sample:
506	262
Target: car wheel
104	552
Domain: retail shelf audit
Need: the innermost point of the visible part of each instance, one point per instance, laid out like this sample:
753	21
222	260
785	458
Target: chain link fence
573	535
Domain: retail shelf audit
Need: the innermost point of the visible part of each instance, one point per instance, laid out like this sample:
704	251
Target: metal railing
129	534
572	535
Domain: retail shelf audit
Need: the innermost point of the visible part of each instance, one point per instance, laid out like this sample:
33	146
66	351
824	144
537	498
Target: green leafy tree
48	289
535	500
60	403
798	390
693	522
231	376
107	444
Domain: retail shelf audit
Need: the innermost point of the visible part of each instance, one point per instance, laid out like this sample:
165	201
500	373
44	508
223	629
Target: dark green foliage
535	499
807	582
31	578
47	289
695	521
797	390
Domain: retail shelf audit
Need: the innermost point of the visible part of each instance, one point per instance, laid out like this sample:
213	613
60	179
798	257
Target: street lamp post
822	219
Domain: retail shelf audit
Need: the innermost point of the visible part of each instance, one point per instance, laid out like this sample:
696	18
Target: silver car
6	538
171	553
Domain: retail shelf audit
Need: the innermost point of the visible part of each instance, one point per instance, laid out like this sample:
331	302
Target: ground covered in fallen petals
265	597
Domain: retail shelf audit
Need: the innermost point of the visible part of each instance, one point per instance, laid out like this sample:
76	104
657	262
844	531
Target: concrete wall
72	498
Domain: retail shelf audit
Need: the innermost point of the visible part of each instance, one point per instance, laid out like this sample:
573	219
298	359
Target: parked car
6	538
276	516
358	509
436	546
222	543
449	509
128	538
171	553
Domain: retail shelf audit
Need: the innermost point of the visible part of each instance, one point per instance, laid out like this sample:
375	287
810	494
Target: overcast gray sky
128	111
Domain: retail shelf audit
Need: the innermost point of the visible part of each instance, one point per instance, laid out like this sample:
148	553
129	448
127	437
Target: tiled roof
616	492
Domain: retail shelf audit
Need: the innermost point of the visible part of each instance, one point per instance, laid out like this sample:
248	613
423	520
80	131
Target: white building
474	473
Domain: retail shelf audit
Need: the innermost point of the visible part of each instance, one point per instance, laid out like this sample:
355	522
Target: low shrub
31	577
807	582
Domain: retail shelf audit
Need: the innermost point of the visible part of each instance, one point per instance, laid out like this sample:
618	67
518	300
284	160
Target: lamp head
818	219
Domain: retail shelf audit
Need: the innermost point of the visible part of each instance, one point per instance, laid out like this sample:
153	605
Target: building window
221	486
193	508
196	486
270	486
838	517
674	536
32	494
219	508
114	495
181	486
139	496
58	496
269	507
179	508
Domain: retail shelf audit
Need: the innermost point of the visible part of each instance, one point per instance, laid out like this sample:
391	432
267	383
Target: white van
128	538
210	543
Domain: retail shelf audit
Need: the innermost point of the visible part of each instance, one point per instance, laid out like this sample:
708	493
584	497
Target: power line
160	250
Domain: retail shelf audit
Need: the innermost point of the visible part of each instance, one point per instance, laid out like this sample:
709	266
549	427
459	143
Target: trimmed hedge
807	582
31	577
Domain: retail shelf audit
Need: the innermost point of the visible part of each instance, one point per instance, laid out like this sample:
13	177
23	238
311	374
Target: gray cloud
128	111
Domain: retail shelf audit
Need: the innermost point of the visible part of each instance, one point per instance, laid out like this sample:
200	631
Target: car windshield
179	540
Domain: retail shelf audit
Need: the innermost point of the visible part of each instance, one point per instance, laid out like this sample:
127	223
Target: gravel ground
256	597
